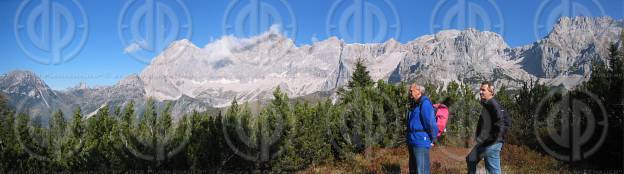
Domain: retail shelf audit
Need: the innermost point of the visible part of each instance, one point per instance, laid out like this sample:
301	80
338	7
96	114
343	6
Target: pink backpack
442	116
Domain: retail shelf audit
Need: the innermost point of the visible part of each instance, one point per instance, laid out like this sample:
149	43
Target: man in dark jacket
491	129
422	130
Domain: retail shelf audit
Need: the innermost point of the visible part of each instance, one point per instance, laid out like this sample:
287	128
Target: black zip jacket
494	123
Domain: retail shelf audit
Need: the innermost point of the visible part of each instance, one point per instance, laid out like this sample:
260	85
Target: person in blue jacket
421	130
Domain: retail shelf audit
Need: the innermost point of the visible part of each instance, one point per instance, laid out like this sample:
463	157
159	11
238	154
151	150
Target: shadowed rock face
250	68
29	94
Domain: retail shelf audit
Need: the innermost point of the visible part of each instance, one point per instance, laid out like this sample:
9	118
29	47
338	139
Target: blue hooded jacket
421	124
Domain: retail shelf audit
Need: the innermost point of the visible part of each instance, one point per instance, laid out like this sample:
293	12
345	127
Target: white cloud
275	28
314	39
133	47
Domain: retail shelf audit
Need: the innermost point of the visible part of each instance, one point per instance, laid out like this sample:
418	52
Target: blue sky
108	34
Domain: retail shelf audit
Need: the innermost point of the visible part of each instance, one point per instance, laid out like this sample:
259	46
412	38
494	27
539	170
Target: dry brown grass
514	158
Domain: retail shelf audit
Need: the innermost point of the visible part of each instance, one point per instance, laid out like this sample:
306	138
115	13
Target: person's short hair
490	86
419	87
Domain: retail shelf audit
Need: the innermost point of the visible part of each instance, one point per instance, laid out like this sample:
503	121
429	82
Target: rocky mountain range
249	69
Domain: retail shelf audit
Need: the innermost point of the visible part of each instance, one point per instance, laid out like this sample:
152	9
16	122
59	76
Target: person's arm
494	124
410	115
499	126
485	127
429	124
478	131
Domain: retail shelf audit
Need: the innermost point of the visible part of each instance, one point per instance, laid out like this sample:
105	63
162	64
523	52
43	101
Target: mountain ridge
250	68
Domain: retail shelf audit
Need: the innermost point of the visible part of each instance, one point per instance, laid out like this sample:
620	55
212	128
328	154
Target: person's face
415	93
485	92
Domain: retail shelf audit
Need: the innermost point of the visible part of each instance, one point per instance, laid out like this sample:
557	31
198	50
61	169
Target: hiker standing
491	129
422	130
